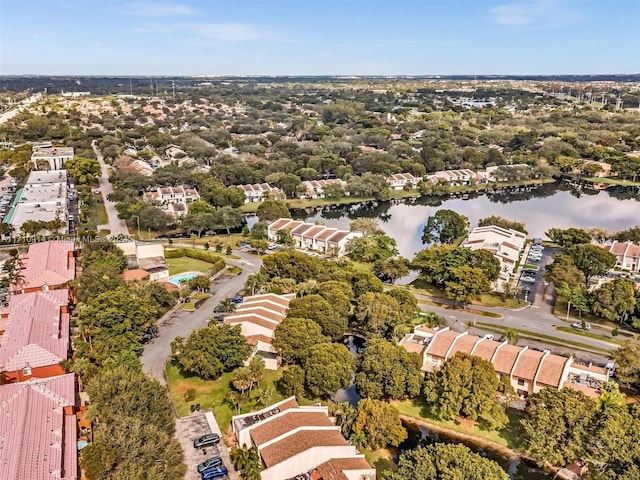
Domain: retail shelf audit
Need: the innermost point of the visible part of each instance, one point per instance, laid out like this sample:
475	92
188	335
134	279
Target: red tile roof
505	358
299	442
441	343
287	422
37	439
464	344
551	369
528	363
48	263
37	331
278	224
334	468
486	348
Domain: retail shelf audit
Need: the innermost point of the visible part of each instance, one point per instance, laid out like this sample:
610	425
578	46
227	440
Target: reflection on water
513	465
349	394
548	206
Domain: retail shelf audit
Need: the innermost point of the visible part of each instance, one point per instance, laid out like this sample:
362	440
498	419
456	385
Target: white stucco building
316	238
300	442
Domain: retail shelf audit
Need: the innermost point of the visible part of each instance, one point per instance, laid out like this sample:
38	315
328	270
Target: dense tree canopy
568	237
294	336
466	386
379	424
443	461
386	370
328	368
211	350
445	227
591	260
502	222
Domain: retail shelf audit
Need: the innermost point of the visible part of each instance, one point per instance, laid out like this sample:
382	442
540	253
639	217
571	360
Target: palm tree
236	399
242	379
228	304
345	415
511	336
610	396
266	395
255	282
256	369
240	458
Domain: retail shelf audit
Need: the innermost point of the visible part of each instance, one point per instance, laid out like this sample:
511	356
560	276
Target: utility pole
130	87
173	88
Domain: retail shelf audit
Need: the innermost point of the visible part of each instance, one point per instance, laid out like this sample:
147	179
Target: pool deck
168	279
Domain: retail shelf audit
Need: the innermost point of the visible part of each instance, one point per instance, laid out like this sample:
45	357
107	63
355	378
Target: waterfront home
316	238
303	442
400	181
168	195
627	255
315	188
504	243
528	370
457	177
259	192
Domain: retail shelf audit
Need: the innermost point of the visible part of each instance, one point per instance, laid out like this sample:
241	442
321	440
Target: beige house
258	317
258	192
316	238
315	188
300	442
400	181
505	244
528	370
457	177
627	255
169	195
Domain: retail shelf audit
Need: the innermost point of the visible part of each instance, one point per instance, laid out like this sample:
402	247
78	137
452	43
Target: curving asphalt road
179	323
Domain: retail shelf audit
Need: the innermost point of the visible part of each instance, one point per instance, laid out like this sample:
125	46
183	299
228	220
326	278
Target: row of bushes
216	261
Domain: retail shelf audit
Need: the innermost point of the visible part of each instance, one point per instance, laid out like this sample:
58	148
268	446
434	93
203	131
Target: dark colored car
206	440
214	473
209	463
237	299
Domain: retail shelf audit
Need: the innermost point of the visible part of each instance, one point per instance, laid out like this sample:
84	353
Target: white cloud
229	32
536	13
157	9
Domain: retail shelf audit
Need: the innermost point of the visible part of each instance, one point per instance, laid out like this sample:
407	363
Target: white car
578	326
528	279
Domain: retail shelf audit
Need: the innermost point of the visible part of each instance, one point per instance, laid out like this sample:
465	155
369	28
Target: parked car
579	326
237	299
206	440
214	473
209	463
528	279
535	258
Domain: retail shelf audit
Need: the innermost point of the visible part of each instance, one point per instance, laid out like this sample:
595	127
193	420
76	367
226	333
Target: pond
547	206
349	394
517	468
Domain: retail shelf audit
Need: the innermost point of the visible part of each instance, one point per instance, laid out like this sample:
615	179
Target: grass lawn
597	336
186	264
486	299
188	306
612	181
212	393
234	270
381	459
510	436
103	219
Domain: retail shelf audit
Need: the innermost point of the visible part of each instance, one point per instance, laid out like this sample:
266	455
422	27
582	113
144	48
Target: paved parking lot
192	427
534	292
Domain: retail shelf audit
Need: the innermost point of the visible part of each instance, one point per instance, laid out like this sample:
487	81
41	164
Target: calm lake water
548	206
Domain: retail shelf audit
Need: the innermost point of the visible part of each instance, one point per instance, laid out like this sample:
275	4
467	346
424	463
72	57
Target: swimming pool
176	279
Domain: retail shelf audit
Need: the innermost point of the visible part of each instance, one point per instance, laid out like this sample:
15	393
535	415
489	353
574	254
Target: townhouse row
528	370
38	407
309	236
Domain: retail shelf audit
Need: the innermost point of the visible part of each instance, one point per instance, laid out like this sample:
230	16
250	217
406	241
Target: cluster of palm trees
247	462
244	378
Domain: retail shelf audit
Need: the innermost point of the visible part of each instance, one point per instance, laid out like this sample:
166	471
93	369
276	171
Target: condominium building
528	370
300	442
308	236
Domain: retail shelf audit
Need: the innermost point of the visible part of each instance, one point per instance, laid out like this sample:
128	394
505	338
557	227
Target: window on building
521	382
26	371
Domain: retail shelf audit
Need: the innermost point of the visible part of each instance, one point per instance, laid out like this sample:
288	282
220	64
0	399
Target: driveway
115	225
179	323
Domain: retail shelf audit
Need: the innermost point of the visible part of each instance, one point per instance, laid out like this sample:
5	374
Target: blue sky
319	37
